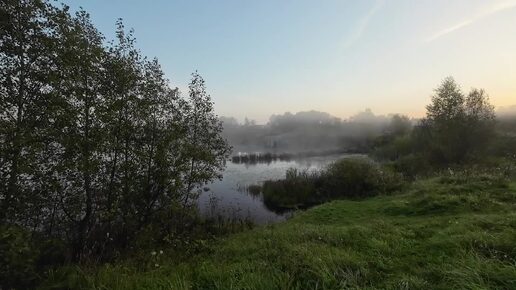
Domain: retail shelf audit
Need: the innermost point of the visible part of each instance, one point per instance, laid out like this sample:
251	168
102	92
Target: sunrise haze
263	57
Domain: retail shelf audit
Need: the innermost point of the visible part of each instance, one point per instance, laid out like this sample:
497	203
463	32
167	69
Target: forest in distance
306	131
104	161
315	132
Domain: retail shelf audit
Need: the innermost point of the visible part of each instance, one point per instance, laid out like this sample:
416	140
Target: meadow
452	231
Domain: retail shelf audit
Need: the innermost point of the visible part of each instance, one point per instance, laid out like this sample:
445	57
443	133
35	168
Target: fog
318	132
508	112
306	131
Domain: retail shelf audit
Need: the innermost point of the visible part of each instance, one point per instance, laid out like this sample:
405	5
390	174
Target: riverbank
447	232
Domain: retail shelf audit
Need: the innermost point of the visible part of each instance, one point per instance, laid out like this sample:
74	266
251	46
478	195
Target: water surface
229	198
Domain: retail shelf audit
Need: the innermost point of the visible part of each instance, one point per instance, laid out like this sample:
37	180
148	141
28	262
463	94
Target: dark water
229	197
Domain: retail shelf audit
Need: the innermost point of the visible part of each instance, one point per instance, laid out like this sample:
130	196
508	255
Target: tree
456	126
27	68
480	120
400	125
121	113
80	133
206	150
95	146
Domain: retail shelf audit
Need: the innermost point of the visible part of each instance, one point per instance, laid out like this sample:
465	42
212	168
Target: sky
338	56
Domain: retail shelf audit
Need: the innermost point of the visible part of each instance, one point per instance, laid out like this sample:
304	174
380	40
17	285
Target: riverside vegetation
409	222
101	164
449	226
452	231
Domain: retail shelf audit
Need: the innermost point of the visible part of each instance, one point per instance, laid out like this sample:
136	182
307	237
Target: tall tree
480	120
95	146
457	126
27	66
80	134
206	149
123	78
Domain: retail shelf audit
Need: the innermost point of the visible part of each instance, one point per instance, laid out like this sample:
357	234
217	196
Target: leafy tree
456	126
207	151
95	146
480	119
27	65
399	125
81	132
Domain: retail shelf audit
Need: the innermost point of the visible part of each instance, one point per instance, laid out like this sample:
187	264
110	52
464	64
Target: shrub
411	165
17	259
358	177
346	178
503	145
394	149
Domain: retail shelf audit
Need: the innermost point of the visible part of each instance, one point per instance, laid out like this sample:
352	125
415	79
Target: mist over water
304	132
307	140
304	140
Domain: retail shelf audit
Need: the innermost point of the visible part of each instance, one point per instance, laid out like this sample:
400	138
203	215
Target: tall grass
346	178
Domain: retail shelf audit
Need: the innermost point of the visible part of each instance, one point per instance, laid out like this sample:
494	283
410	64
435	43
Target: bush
17	259
346	178
504	146
358	177
411	165
393	149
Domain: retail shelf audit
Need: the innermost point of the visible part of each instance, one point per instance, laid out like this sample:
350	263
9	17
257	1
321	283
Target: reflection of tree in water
253	190
268	158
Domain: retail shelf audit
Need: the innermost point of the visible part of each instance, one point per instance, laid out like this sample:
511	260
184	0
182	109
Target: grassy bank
440	233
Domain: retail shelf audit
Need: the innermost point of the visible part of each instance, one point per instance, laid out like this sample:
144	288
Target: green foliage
503	145
400	125
346	178
454	231
17	258
299	188
358	177
394	148
27	67
457	127
95	146
412	165
25	256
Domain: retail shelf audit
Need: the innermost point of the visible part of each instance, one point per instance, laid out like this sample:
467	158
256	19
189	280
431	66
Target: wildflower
161	252
153	253
156	265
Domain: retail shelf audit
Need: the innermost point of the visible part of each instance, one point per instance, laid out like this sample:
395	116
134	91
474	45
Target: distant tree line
304	132
458	129
95	146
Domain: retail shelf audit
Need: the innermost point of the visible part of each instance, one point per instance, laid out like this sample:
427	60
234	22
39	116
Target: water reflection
235	197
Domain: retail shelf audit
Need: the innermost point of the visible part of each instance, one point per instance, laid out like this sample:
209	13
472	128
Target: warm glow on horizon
269	57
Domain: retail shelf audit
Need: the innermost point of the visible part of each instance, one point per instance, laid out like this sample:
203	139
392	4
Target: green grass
440	233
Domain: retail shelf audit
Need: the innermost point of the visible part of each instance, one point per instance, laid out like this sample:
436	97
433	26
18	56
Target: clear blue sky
264	57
